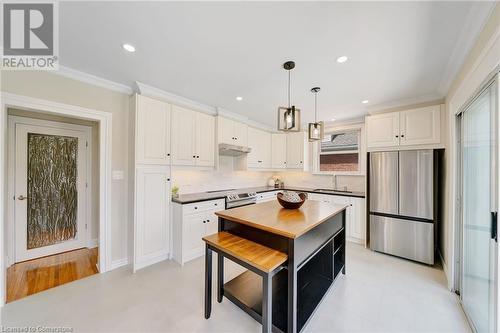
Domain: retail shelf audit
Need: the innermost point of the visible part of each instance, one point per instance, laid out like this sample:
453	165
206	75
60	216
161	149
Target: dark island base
315	277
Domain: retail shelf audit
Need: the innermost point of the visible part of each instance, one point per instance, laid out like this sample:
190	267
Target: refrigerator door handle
494	226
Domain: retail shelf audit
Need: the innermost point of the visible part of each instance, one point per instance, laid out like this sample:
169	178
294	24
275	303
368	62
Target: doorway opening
52	226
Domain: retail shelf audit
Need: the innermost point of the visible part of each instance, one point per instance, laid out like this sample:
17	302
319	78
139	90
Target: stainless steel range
241	199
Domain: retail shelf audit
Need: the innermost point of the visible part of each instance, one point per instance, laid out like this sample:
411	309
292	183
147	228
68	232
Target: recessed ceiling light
128	47
239	98
365	101
341	59
333	119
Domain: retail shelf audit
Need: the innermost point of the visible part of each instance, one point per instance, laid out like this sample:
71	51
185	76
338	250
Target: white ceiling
212	52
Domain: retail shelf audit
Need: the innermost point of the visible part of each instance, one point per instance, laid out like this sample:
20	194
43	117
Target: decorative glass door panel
52	190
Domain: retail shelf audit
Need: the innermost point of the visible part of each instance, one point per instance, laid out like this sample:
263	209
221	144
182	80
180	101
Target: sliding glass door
479	194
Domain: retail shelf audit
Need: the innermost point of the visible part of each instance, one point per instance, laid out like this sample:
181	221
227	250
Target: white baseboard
91	243
445	269
151	259
118	263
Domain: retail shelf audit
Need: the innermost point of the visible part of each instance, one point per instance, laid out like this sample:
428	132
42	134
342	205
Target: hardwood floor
30	277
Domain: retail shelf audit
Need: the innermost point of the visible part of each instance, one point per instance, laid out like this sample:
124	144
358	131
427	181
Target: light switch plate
118	174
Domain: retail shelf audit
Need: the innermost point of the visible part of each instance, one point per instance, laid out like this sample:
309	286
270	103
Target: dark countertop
205	196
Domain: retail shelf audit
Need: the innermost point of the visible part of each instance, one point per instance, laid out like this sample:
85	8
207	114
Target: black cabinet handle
197	156
494	226
195	207
397	136
194	156
402	135
168	179
168	154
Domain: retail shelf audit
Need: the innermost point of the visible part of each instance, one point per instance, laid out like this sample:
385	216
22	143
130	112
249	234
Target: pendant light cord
289	88
316	107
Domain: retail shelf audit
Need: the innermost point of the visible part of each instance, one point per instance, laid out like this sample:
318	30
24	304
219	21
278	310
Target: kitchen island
313	238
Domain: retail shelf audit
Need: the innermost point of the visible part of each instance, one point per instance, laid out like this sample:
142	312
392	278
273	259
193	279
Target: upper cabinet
278	151
232	132
193	138
260	143
415	127
152	131
296	143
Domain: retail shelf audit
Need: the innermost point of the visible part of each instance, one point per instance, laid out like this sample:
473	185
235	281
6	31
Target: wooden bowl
291	205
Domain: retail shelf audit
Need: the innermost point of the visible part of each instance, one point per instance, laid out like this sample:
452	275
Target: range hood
233	150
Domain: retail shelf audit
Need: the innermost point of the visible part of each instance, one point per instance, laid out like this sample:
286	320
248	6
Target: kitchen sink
326	190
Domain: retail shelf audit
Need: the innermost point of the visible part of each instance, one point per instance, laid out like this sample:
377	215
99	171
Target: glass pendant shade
288	119
316	131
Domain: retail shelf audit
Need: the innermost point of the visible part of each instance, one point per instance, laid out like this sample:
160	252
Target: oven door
240	203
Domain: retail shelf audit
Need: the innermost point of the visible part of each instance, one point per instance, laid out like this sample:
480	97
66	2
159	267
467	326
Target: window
339	152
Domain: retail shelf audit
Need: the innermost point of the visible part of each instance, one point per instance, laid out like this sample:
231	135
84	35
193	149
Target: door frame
104	119
492	79
11	172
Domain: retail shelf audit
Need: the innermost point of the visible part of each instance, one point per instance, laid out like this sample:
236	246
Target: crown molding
480	12
238	117
433	98
154	92
93	80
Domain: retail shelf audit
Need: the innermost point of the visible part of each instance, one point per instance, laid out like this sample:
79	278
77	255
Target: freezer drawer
384	182
403	238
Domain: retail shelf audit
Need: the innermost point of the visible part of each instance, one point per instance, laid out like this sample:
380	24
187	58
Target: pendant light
289	117
316	129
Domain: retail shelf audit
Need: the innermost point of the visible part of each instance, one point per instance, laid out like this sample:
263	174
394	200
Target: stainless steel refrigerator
402	203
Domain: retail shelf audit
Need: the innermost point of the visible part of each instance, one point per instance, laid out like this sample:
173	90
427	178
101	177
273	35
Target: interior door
479	195
50	191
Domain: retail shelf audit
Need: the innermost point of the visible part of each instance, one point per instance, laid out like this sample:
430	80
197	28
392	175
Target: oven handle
238	204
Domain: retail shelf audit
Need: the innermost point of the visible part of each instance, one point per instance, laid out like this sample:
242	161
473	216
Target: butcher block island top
272	217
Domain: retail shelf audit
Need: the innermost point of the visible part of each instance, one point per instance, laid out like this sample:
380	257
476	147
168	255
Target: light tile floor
380	293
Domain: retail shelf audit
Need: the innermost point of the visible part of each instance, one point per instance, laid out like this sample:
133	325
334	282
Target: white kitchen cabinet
355	214
232	132
193	138
205	140
383	130
191	222
415	127
260	143
420	126
278	151
267	196
357	227
152	128
152	215
295	144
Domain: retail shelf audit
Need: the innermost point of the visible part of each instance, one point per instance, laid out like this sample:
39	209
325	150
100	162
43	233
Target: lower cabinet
152	215
266	196
355	214
191	222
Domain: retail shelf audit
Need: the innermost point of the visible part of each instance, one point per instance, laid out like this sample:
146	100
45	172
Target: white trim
105	125
91	243
153	92
433	98
10	222
243	119
118	263
93	80
479	12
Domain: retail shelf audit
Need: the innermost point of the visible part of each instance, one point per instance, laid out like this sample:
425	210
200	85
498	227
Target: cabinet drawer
202	206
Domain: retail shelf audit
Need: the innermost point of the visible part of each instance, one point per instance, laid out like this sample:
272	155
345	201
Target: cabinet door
151	224
420	126
205	140
240	133
278	151
183	136
357	230
225	129
211	224
319	197
192	233
265	150
295	150
153	131
254	141
382	130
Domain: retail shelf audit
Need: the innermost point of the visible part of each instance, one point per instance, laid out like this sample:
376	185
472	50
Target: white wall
53	87
481	61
